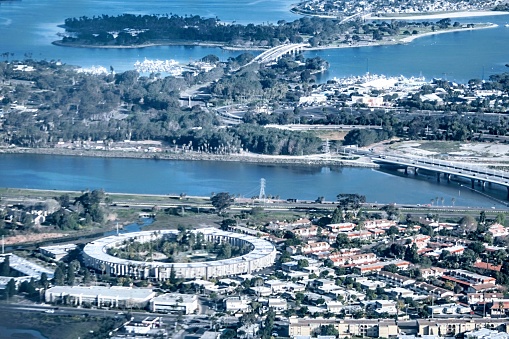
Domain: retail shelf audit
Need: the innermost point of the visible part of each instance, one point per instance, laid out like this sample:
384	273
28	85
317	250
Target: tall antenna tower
262	189
326	149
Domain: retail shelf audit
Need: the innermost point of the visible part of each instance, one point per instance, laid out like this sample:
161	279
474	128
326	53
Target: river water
28	27
203	178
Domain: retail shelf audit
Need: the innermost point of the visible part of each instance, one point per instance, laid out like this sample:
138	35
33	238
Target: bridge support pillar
406	170
438	176
416	171
448	176
507	192
473	183
483	184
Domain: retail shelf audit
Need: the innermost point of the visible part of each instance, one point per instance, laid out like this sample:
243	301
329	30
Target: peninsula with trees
50	106
129	30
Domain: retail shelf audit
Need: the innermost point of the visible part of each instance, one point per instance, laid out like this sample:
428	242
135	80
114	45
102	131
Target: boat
506	25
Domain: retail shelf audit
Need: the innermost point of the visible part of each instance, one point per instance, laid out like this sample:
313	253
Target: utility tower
326	149
262	189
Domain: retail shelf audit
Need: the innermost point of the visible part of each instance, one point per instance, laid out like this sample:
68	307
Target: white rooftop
110	292
28	268
97	249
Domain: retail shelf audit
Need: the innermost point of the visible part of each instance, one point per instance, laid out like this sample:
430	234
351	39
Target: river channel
203	178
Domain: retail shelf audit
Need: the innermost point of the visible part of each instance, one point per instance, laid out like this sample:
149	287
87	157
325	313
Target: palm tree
453	200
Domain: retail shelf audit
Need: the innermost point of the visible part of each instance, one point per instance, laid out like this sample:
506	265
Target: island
135	31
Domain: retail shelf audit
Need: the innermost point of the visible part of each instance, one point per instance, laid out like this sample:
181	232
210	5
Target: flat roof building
115	296
27	269
57	252
262	255
374	328
175	302
451	327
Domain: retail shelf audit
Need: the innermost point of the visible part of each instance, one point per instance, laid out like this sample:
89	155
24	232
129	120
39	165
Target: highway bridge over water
478	175
276	53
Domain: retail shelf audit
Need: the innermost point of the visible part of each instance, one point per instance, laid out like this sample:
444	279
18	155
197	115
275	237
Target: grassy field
441	146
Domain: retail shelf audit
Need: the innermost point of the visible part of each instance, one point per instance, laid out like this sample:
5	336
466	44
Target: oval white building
262	255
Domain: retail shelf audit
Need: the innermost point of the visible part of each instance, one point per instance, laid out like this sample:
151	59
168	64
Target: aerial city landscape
254	169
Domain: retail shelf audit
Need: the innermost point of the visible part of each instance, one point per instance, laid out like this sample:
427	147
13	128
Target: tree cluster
140	29
86	210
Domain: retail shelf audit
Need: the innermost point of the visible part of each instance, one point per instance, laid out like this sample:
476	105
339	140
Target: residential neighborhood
333	275
386	8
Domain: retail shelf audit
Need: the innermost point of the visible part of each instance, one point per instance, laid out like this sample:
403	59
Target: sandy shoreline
153	44
413	37
443	15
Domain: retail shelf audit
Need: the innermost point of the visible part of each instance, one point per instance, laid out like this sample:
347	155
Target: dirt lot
490	154
34	237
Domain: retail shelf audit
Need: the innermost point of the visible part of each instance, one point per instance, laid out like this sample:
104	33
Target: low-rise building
386	306
485	333
362	234
341	227
432	272
451	327
379	223
115	296
498	308
261	291
466	278
142	327
57	252
377	266
449	309
475	298
314	247
401	293
278	304
346	327
395	279
237	305
498	230
175	302
27	270
276	286
354	259
304	232
432	290
487	266
420	240
369	284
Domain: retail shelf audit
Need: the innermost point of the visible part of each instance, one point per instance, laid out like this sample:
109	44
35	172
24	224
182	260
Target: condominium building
262	255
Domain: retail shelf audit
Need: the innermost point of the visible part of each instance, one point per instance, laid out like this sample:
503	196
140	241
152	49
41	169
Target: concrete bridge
446	169
276	53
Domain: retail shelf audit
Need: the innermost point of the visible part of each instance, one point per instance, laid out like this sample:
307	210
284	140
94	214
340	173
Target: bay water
28	27
204	178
